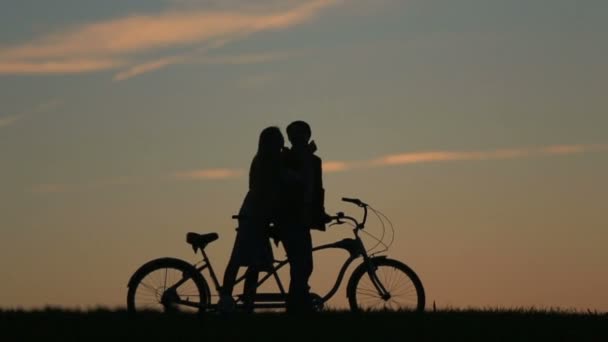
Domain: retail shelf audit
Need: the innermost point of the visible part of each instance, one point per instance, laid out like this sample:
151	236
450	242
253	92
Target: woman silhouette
252	245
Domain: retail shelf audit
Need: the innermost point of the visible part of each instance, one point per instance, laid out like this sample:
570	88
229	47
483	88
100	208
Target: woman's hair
271	141
266	163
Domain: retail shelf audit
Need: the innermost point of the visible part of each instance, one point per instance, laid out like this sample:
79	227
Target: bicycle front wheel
167	285
385	284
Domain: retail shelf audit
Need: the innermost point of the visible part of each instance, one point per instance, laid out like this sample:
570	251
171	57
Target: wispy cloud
110	44
65	66
337	166
9	120
408	158
12	119
209	174
419	157
570	149
497	154
443	156
146	67
224	173
199	57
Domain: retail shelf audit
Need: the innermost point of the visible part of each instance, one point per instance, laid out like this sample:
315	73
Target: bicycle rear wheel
404	290
167	285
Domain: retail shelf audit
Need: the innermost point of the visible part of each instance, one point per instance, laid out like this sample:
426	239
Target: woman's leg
234	263
226	303
230	274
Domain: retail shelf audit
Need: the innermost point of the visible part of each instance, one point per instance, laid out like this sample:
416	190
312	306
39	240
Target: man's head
299	133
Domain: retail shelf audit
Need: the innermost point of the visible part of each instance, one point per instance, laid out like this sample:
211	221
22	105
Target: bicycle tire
159	300
411	299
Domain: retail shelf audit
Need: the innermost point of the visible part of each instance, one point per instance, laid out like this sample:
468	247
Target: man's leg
250	287
298	246
307	263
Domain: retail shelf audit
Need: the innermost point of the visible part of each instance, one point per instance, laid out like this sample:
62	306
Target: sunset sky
478	126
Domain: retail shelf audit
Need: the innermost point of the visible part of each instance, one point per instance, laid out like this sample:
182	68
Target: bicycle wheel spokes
401	291
157	292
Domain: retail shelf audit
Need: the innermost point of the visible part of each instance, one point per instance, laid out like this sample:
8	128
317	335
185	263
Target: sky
478	126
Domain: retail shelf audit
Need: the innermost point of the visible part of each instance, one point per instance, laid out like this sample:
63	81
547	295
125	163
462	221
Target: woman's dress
252	245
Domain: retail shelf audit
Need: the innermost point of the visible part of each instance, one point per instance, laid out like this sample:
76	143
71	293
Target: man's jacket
303	194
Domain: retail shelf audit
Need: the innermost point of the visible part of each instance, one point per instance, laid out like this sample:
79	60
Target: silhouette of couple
285	188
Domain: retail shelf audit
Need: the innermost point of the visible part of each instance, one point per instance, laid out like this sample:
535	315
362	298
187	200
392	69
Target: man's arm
319	178
320	217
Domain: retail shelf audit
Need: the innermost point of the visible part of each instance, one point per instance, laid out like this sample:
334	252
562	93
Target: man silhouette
303	209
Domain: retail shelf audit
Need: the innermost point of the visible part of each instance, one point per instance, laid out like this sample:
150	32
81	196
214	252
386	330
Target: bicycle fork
371	272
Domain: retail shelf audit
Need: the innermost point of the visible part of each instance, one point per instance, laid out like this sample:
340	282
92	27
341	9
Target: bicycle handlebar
355	201
340	216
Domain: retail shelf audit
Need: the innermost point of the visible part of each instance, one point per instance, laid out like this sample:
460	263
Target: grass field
470	325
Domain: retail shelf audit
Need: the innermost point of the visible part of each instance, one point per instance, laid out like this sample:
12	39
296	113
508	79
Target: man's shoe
226	304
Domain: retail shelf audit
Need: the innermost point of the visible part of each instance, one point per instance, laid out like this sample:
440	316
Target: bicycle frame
168	297
354	247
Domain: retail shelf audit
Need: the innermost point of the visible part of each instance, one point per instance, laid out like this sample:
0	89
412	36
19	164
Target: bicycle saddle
200	240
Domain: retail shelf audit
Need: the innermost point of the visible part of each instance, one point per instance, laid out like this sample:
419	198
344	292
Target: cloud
209	174
567	149
421	157
225	173
196	58
447	156
67	66
9	120
409	158
199	58
146	67
109	44
336	166
442	156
